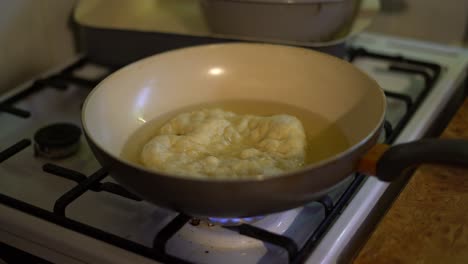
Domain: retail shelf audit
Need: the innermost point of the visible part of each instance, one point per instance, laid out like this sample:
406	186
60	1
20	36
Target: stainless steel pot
296	20
319	83
138	29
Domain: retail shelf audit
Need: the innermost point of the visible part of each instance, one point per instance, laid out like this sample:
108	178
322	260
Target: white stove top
22	178
337	242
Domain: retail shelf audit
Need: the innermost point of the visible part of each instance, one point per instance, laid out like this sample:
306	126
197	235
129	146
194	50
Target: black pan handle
400	157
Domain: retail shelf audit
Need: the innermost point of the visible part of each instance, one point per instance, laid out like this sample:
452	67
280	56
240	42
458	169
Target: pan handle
396	159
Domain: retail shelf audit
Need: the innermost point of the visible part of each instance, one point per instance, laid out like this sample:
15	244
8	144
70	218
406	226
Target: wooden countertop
428	222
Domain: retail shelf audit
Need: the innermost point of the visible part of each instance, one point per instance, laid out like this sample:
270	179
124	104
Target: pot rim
282	2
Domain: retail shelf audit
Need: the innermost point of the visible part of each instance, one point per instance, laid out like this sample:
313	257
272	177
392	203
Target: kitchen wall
34	36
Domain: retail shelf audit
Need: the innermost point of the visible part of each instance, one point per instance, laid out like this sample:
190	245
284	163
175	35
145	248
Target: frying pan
319	83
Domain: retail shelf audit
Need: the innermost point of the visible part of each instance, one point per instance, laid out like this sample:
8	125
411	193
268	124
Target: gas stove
58	205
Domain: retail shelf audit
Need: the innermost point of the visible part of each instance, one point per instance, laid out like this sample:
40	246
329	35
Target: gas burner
233	221
56	141
216	221
220	234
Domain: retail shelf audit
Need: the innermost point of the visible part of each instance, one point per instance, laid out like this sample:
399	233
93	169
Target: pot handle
388	163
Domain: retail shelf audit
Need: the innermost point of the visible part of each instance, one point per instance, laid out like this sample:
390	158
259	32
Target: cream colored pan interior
334	89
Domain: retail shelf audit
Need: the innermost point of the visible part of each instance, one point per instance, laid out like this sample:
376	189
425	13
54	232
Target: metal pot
319	83
138	29
297	20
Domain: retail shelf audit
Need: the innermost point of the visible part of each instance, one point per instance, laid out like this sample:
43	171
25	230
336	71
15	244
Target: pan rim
291	173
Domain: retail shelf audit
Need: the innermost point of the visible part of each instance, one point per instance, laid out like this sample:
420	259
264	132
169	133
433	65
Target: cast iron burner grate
430	72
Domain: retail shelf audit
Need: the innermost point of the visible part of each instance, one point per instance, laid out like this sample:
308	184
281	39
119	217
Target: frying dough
213	143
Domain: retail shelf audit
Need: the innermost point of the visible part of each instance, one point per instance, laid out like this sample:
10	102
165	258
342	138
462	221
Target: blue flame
231	221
